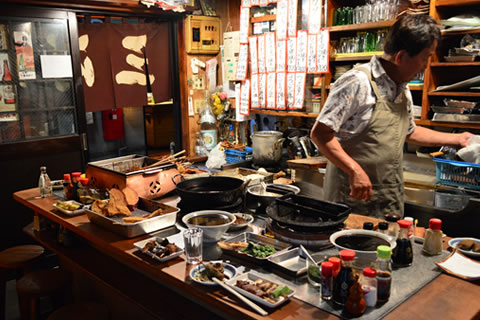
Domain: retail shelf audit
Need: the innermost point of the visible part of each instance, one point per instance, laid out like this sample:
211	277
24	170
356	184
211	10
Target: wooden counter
164	290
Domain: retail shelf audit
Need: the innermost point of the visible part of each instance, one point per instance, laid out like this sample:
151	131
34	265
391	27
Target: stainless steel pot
267	147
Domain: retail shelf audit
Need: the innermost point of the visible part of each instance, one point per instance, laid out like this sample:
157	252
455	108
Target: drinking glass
193	245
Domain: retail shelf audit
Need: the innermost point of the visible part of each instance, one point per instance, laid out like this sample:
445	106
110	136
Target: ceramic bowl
211	233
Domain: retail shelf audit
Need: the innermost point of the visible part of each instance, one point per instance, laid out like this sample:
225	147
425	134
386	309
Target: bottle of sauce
337	264
411	230
393	228
67	187
403	253
44	184
384	273
355	304
326	280
75	183
369	286
6	72
432	243
345	278
383	227
367	226
208	127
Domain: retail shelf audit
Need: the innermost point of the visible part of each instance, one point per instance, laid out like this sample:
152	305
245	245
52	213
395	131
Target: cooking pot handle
177	175
278	142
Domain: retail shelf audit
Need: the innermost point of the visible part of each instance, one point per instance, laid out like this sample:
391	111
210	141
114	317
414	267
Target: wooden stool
19	257
81	311
51	283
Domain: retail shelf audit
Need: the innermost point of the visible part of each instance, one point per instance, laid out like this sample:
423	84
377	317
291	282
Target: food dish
460	266
80	210
455	241
141	244
229	271
57	184
251	277
243	219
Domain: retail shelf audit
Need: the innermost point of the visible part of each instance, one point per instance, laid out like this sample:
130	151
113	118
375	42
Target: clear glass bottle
393	227
327	280
432	243
44	184
200	149
384	273
369	286
208	127
345	278
402	255
383	227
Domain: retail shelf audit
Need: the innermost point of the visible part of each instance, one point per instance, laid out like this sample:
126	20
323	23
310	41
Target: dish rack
233	155
458	173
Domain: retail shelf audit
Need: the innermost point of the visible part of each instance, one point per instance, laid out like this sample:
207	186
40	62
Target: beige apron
379	151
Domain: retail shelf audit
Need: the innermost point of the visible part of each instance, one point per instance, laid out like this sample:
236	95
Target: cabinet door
42	116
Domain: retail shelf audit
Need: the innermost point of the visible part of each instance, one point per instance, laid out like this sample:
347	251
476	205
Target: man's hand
360	185
463	138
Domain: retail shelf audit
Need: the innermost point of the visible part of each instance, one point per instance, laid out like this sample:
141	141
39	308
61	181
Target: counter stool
52	283
19	257
81	311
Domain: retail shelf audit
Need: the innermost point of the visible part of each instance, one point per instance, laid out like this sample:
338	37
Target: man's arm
427	137
324	138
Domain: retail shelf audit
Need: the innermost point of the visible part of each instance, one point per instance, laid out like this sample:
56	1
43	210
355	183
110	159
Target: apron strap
372	83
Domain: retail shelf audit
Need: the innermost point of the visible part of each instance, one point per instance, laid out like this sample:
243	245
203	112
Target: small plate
140	244
249	276
460	266
228	270
56	184
453	243
247	217
70	212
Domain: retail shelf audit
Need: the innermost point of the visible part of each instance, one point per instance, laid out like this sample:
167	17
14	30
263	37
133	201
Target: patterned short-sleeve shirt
351	100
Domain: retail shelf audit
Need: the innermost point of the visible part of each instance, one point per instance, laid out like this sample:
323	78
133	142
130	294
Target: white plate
140	244
453	243
228	270
248	219
69	212
249	276
460	266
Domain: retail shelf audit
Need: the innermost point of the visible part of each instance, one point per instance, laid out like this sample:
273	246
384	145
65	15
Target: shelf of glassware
362	26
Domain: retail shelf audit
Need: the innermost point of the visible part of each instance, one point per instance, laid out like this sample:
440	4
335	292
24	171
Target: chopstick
167	159
239	296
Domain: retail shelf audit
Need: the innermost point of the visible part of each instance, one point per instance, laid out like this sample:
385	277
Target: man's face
411	66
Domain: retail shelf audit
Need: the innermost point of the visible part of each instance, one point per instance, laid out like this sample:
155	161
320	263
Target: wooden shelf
431	123
361	56
362	26
459	32
456	3
455	64
455	94
415	88
272	17
285	113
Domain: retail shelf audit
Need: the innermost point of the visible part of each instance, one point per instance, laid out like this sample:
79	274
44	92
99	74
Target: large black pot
216	191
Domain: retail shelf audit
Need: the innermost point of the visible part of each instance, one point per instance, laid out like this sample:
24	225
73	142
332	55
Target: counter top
444	298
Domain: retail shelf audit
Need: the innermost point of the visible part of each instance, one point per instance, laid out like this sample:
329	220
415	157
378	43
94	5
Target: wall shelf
455	94
455	64
362	26
271	17
431	123
285	113
361	56
456	3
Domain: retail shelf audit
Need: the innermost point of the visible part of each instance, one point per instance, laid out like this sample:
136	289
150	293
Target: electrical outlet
198	82
199	105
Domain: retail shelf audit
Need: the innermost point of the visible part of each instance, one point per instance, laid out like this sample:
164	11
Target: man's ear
400	56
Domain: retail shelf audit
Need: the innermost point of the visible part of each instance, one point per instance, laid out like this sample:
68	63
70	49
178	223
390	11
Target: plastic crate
233	155
458	173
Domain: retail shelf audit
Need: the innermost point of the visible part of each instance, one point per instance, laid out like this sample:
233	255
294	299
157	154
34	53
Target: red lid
327	268
347	255
404	223
66	176
76	174
369	272
435	224
335	262
83	181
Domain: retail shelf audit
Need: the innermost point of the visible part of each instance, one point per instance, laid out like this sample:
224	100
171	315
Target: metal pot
214	190
267	147
258	197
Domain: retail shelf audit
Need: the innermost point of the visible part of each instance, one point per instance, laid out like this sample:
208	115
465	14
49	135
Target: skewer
166	160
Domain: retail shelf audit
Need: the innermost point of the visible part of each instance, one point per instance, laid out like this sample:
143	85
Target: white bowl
210	233
361	254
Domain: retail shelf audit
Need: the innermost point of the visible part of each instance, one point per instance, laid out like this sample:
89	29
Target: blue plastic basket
233	155
458	173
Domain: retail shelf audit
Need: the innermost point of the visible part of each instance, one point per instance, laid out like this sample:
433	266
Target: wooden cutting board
310	163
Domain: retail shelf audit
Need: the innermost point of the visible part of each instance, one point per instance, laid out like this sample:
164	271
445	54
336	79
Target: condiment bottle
327	280
82	189
384	273
44	184
369	286
208	127
345	278
432	244
75	183
67	186
355	303
368	226
411	230
337	264
403	253
393	228
383	227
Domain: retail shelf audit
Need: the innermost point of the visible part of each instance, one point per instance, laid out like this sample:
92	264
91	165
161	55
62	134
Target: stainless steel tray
131	230
292	262
462	118
278	245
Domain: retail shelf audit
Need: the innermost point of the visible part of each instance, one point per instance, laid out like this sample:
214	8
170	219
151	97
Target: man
367	118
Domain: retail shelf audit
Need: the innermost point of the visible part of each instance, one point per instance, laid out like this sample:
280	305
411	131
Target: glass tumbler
193	245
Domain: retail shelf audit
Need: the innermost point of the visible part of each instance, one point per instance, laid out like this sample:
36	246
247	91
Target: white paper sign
244	24
281	97
270	51
281	55
271	86
262	89
315	16
291	54
252	41
300	78
245	98
323	52
261	53
254	91
290	89
254	3
312	53
282	18
56	66
301	64
242	62
292	18
246	3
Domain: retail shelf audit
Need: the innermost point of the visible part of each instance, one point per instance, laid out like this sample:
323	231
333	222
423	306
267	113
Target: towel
471	153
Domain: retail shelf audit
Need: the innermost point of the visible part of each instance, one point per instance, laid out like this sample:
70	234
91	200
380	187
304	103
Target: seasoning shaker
383	227
432	244
369	286
411	230
327	280
368	226
393	227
